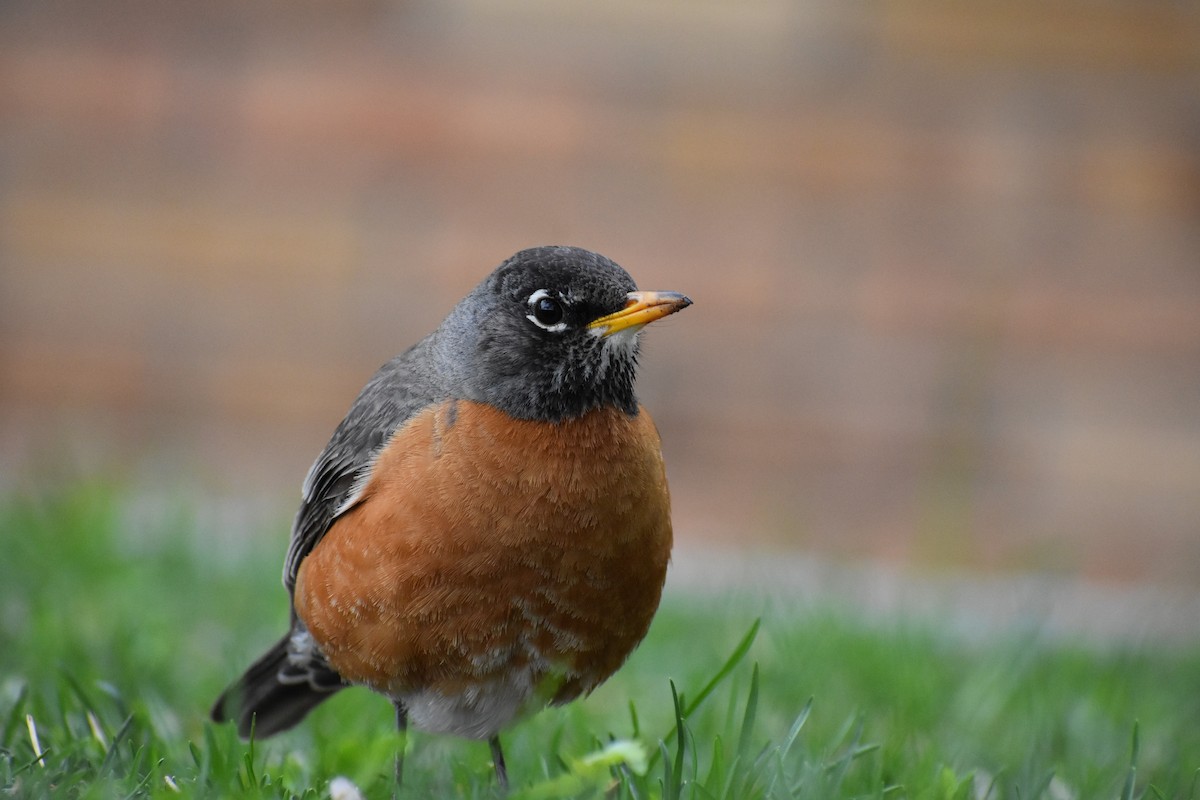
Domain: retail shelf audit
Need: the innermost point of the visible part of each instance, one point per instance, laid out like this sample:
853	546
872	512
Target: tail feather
273	695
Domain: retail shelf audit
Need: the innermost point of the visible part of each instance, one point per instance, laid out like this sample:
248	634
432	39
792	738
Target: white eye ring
552	327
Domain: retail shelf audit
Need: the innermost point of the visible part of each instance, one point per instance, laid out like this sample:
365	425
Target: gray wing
399	390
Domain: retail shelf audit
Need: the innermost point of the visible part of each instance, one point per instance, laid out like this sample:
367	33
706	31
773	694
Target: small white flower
341	788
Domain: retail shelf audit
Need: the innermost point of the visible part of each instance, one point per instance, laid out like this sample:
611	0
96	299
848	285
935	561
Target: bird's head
551	334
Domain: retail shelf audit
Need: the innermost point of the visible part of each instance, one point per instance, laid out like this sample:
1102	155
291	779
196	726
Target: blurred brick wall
946	257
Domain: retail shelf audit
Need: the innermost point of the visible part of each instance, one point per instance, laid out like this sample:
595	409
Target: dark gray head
552	333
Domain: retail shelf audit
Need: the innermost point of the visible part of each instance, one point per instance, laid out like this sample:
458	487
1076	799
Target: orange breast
484	545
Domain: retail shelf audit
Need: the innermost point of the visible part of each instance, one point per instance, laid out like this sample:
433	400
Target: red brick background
945	256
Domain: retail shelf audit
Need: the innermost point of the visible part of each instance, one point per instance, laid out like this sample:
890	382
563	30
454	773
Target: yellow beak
641	308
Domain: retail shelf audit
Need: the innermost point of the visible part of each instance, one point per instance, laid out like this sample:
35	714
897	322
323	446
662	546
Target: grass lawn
117	631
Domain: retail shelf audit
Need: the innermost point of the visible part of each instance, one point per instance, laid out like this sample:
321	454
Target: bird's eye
546	311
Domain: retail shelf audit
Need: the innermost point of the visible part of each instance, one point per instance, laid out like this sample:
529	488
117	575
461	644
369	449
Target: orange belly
485	547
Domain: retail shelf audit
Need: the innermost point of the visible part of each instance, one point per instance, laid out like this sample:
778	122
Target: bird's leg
402	726
498	762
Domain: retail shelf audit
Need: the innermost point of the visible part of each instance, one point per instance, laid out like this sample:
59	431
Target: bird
488	530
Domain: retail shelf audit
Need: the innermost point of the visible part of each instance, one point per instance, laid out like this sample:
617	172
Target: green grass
117	630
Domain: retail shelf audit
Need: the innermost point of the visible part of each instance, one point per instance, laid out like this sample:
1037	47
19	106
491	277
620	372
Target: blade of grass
141	784
716	768
751	713
627	774
794	732
1131	775
837	770
248	755
30	764
681	745
31	726
726	669
779	778
734	659
668	783
111	756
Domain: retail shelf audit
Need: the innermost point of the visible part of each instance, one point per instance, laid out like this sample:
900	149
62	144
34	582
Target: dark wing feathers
292	678
333	479
400	389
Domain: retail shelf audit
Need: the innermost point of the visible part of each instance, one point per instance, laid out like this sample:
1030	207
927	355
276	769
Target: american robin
488	530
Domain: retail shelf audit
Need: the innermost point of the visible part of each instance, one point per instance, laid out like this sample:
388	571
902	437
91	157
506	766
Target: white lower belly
479	712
